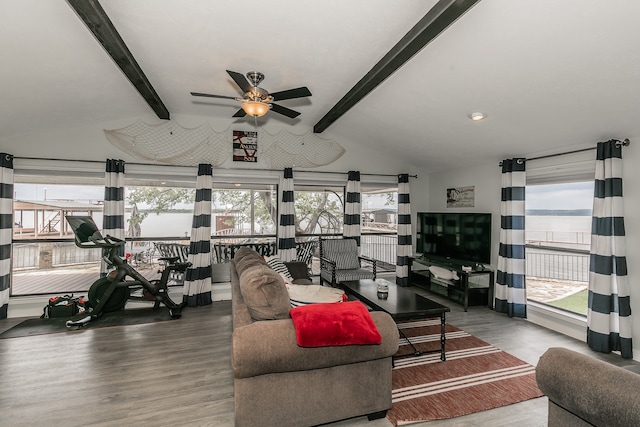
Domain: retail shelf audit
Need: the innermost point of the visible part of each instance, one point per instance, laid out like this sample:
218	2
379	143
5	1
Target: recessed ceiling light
477	116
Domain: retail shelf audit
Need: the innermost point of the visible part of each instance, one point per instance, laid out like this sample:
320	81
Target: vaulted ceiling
551	76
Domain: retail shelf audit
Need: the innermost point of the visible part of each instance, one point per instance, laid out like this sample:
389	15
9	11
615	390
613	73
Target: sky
568	196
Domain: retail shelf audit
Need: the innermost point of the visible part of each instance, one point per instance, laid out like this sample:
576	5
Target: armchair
339	262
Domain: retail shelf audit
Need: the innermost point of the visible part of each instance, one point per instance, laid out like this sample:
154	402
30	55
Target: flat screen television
464	237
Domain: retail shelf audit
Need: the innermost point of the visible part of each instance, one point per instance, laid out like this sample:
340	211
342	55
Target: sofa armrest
269	346
589	388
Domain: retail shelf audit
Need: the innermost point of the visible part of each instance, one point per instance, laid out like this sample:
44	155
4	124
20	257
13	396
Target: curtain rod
624	142
181	166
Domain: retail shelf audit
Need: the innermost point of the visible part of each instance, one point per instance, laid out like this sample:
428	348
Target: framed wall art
245	146
461	197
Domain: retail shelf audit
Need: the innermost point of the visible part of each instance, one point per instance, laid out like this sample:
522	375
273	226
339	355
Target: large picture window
558	237
159	212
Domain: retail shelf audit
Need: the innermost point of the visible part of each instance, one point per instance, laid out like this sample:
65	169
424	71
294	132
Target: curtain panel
353	208
197	281
609	310
6	230
510	292
404	250
287	213
113	211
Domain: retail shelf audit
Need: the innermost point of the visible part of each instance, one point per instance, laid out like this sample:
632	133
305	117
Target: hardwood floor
178	373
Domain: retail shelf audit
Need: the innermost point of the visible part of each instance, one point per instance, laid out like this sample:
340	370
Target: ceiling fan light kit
255	108
256	101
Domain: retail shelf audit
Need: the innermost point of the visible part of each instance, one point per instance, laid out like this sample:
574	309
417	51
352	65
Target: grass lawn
576	303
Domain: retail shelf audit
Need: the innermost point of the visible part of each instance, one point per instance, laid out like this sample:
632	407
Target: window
43	250
246	212
558	237
159	208
319	210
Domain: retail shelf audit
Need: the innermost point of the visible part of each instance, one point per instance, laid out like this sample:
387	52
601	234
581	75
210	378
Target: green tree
316	212
147	200
239	202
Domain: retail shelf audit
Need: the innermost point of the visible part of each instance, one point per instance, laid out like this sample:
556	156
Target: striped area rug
475	377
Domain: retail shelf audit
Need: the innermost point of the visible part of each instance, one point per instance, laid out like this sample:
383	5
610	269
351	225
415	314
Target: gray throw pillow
246	257
264	293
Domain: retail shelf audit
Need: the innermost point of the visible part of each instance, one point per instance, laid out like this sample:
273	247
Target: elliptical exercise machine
110	293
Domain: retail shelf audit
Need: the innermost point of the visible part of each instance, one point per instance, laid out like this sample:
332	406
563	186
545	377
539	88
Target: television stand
463	291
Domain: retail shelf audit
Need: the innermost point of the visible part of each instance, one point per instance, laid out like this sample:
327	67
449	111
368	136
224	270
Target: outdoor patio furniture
339	262
305	251
226	251
173	250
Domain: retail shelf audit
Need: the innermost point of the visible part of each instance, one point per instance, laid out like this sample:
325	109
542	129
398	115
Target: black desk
401	304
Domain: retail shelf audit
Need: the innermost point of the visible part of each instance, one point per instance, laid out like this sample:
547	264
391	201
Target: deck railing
557	263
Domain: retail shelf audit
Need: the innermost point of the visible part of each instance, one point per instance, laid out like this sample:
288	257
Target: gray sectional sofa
278	383
585	391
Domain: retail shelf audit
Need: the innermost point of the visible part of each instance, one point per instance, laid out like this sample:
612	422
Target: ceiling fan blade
284	111
240	113
240	81
291	93
208	95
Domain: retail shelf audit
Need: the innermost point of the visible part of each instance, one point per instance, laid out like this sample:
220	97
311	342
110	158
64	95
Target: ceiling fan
257	101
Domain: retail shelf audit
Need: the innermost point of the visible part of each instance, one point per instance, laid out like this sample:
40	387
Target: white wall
486	179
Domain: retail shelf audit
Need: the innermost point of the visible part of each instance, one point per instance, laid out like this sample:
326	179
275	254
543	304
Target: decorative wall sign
461	197
245	146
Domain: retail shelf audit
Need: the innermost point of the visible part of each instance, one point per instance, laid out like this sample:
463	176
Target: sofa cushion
297	269
321	325
246	257
264	292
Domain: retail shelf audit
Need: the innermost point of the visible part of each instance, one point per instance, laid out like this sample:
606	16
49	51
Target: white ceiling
551	75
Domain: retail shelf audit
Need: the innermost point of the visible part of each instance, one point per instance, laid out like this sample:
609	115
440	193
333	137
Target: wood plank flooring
178	373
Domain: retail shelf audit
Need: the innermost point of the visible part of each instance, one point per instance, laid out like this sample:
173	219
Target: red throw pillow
333	324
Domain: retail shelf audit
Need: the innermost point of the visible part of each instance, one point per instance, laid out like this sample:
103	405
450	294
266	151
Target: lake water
539	227
572	231
174	224
561	228
558	223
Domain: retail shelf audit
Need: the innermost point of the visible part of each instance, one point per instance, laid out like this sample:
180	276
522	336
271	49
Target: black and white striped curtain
510	292
287	213
353	208
113	212
609	312
197	281
404	250
6	230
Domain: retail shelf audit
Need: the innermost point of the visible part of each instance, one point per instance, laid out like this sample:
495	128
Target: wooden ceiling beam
97	21
441	16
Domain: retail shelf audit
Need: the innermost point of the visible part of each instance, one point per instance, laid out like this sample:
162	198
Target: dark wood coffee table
401	303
